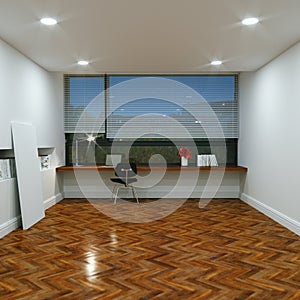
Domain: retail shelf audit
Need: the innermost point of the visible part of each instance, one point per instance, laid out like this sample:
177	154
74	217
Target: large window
172	106
202	106
154	111
84	103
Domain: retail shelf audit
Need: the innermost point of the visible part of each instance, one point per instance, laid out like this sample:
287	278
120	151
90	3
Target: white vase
184	161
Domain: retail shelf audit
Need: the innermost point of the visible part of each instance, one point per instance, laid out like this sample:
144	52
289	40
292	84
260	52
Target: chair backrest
123	168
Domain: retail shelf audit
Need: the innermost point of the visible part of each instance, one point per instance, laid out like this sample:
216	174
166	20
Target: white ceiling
150	36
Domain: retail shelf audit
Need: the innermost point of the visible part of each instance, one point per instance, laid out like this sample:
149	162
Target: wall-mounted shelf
45	150
7	153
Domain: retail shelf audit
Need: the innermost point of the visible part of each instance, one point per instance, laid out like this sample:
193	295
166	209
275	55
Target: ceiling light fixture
216	62
48	21
83	62
250	21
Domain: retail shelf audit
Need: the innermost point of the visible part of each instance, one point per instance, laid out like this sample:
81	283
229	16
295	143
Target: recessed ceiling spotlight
83	62
216	62
48	21
250	21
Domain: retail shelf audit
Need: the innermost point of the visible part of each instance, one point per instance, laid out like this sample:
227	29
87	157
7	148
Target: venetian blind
202	106
84	109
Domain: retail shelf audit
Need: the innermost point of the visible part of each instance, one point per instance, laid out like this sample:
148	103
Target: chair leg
135	194
116	195
113	192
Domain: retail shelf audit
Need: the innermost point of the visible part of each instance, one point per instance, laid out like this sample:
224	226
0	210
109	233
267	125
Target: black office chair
125	176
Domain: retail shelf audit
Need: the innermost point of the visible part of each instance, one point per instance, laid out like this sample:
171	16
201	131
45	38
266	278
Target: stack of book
7	168
207	160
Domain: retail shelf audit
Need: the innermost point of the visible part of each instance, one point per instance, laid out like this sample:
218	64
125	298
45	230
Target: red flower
185	152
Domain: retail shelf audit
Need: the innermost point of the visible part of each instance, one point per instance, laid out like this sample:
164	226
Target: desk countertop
147	168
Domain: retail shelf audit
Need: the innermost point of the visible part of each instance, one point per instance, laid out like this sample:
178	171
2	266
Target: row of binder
7	168
207	160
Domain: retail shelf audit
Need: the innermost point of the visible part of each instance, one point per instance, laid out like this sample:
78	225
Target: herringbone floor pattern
227	250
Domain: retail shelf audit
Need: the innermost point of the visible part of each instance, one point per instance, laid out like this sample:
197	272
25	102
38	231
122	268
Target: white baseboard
274	214
15	222
10	226
53	200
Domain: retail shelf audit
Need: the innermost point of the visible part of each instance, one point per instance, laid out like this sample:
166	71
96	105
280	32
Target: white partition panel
28	173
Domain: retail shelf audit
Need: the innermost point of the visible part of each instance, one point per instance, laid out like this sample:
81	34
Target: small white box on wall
45	162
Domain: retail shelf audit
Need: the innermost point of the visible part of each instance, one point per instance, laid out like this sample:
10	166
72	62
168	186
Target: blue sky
212	88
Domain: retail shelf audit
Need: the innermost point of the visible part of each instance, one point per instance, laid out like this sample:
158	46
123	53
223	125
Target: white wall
30	94
269	143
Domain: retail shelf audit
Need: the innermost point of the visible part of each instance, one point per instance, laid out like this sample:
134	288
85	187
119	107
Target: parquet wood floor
227	250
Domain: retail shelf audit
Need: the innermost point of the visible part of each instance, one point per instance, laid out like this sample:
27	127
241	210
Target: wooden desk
95	181
147	168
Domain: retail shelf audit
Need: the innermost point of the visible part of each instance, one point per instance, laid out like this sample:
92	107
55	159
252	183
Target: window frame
102	140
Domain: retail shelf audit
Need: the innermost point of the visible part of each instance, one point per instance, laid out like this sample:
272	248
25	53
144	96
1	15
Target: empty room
149	149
